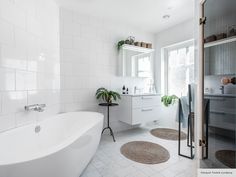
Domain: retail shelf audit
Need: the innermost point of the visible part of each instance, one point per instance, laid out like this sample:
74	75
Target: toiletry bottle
127	91
123	90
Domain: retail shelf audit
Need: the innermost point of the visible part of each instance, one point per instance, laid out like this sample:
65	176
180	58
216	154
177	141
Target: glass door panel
219	84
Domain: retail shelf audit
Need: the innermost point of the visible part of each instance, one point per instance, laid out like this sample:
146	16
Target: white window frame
141	56
164	61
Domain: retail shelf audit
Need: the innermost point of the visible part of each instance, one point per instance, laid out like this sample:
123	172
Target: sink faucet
35	107
222	88
137	89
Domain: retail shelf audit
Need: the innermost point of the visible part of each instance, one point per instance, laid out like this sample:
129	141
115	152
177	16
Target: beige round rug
227	157
145	152
168	134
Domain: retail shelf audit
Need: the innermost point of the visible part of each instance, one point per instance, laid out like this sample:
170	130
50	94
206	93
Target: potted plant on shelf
107	95
168	100
119	44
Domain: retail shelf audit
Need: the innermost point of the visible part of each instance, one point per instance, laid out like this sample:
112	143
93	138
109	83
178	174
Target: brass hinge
202	21
202	143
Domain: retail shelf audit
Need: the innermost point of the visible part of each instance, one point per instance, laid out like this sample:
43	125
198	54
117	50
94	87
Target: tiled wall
29	60
89	60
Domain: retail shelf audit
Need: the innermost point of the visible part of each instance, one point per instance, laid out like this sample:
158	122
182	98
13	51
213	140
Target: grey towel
184	106
182	115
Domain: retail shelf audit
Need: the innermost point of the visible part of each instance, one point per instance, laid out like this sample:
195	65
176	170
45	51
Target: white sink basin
141	94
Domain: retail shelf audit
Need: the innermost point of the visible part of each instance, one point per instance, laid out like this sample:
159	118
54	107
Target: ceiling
146	15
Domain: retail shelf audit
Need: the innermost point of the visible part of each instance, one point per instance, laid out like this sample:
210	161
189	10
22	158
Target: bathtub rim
53	149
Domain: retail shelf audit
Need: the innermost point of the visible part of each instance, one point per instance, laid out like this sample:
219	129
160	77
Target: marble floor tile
109	162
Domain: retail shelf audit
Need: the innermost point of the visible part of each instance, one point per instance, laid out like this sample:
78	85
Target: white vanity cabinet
138	109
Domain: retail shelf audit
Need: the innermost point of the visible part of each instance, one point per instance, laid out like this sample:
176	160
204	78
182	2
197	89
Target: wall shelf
219	42
137	48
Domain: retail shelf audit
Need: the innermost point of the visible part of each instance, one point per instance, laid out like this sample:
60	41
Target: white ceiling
143	14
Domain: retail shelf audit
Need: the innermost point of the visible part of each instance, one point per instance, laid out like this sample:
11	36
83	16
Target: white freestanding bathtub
60	146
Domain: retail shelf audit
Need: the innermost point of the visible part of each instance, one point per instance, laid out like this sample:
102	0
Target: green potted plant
120	43
168	100
107	95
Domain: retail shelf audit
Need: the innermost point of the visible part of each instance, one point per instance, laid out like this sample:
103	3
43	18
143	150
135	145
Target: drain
37	129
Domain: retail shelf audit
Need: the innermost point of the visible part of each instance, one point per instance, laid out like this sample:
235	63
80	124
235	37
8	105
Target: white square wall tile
67	42
82	43
11	13
7	79
27	5
36	97
82	19
0	103
56	82
6	33
26	80
67	96
14	57
13	101
44	81
66	15
77	29
34	26
68	28
69	55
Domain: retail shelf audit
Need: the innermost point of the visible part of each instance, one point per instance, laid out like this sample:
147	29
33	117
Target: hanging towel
184	102
182	115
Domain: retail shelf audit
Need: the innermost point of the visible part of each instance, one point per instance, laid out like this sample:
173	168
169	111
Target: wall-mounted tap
222	88
35	107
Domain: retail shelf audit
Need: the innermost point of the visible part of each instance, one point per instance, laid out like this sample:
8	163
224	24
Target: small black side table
108	118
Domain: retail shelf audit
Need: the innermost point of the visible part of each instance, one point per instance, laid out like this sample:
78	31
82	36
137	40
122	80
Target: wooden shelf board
219	42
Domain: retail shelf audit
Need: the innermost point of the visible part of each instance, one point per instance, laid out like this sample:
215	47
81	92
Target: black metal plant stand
108	118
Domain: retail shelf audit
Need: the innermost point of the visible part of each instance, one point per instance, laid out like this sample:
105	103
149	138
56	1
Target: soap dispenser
123	89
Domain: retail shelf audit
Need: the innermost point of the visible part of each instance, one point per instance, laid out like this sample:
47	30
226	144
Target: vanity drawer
145	101
217	103
142	115
222	120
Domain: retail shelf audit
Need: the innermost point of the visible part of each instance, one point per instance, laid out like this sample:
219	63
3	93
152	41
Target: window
144	67
179	64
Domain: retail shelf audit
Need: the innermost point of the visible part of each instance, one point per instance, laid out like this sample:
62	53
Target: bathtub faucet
35	107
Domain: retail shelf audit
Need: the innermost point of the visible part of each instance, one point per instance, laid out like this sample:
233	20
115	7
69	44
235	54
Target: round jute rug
145	152
227	157
168	134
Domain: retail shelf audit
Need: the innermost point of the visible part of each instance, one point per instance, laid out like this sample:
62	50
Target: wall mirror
136	61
